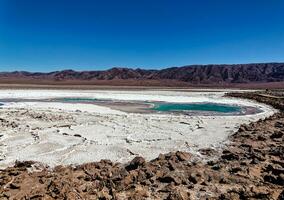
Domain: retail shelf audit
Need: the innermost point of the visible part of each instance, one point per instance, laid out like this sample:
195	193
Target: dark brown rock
183	156
135	163
227	155
169	178
277	134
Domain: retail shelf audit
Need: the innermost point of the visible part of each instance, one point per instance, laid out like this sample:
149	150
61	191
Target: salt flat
67	133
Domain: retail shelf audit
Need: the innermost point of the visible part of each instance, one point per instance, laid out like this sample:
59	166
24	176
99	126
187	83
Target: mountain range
174	76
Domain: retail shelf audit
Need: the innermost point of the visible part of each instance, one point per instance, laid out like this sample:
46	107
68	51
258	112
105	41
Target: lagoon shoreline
65	133
249	166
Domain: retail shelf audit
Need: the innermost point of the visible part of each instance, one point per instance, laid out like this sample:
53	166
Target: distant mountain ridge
192	74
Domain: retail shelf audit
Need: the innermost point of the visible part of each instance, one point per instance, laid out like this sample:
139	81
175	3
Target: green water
78	99
167	107
196	107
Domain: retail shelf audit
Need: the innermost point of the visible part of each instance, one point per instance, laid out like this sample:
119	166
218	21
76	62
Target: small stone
227	155
23	164
281	195
172	165
235	170
14	186
208	151
216	167
183	156
193	178
168	178
179	194
77	135
279	125
276	134
135	163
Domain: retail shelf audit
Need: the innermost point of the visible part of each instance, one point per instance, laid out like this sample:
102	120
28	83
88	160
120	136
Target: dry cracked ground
251	166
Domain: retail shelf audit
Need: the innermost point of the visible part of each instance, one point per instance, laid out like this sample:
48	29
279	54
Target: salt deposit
66	133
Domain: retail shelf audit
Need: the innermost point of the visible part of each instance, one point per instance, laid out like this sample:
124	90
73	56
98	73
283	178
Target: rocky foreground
251	166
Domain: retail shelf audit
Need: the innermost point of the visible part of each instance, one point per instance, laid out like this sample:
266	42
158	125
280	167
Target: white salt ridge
110	134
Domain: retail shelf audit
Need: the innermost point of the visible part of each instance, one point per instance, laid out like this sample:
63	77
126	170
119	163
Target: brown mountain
187	75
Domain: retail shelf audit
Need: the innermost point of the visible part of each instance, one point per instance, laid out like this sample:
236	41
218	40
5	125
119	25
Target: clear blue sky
47	35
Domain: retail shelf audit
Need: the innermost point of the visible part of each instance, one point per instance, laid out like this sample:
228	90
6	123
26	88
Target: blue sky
47	35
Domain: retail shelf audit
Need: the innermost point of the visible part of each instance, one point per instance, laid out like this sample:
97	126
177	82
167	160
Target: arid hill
175	76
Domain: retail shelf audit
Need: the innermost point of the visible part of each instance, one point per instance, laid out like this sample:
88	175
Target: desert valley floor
34	127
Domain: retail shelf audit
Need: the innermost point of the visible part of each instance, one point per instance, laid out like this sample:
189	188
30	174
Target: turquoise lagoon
78	99
209	107
173	107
